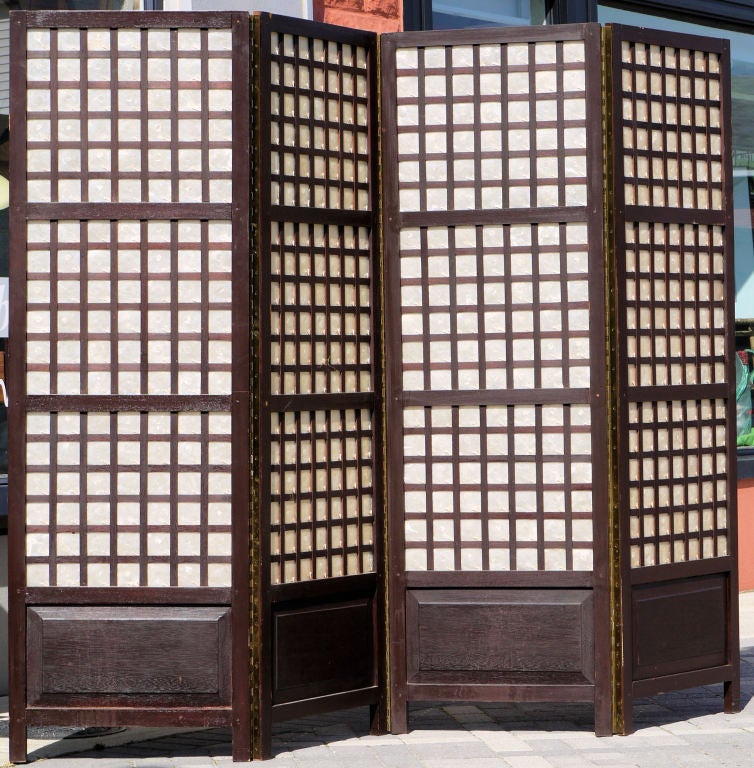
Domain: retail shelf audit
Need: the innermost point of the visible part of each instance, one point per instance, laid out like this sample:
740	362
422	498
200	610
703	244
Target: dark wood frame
89	710
672	580
737	13
401	581
270	600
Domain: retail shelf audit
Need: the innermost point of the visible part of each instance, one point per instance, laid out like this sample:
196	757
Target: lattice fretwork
129	307
321	515
495	307
678	505
320	123
129	115
321	309
675	304
499	125
671	126
498	488
128	499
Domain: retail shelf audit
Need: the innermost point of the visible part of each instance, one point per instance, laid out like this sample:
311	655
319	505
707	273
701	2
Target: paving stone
489	762
307	754
503	741
393	756
528	761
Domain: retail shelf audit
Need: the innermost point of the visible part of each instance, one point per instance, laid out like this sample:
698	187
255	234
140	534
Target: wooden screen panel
513	636
322	495
495	307
128	499
320	133
491	126
676	405
675	304
672	125
130	335
99	97
321	304
678	495
494	322
177	653
129	307
317	416
498	488
319	307
493	314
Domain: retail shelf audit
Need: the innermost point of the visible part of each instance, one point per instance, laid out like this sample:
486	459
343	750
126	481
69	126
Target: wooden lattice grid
321	309
678	495
675	304
319	134
128	499
494	308
128	306
673	279
98	98
321	502
320	321
128	316
671	126
494	125
498	488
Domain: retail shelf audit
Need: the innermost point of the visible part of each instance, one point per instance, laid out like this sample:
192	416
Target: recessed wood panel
323	649
121	652
513	635
680	626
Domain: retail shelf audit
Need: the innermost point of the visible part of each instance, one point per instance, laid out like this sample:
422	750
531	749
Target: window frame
738	13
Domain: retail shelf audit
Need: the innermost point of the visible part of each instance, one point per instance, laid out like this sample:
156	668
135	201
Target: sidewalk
679	730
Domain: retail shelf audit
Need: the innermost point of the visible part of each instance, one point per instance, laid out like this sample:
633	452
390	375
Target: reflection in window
457	14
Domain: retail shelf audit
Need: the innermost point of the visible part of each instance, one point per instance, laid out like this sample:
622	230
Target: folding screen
318	617
676	448
129	416
495	350
191	188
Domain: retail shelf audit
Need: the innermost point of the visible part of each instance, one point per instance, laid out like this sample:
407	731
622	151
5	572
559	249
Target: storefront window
456	14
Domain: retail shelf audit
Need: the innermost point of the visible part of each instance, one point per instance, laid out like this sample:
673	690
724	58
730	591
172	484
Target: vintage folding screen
526	487
197	370
131	411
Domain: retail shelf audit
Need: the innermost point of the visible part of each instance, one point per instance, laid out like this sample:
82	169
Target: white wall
301	9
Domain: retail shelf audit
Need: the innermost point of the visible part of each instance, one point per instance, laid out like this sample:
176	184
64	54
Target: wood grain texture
487	636
322	649
679	626
121	652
